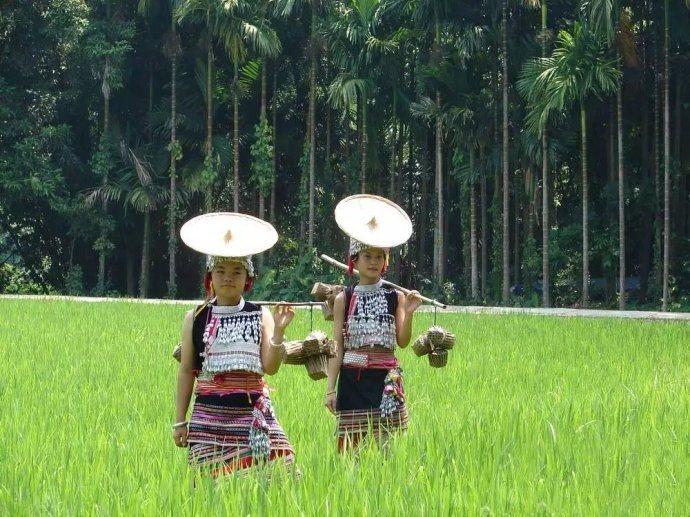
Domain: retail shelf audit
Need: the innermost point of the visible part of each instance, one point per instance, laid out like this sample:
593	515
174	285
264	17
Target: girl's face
370	262
228	279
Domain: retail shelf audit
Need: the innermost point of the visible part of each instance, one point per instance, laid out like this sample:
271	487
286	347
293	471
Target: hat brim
373	220
228	234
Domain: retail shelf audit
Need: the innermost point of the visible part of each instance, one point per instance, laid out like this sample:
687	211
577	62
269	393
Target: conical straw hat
373	220
228	234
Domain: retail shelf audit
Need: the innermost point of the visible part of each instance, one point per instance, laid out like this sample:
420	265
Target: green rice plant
532	415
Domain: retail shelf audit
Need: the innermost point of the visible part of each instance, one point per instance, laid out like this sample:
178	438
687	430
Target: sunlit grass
531	415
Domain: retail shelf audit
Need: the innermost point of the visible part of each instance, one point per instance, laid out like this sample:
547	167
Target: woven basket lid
228	234
373	220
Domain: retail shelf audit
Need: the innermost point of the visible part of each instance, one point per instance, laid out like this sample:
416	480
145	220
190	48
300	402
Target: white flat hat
228	234
373	220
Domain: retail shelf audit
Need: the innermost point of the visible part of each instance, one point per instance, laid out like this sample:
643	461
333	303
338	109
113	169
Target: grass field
533	415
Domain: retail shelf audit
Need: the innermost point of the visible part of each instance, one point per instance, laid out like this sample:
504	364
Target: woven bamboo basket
320	291
314	342
448	341
436	335
421	345
294	353
317	366
438	358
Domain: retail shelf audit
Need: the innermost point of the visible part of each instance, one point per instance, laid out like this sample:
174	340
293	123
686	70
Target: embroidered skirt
233	431
370	399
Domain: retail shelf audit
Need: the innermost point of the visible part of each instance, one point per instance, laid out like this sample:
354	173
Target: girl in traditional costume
228	344
370	320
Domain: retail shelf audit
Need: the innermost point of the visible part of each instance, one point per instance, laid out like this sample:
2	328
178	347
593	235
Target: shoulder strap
393	297
198	328
349	305
201	307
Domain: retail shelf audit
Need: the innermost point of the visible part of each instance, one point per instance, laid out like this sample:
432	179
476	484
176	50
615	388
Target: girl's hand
412	301
329	401
283	315
180	436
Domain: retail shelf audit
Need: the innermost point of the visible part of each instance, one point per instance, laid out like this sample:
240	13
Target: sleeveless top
227	338
370	316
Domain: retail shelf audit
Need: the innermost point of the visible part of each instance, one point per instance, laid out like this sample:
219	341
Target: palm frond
108	193
345	90
141	200
263	40
425	109
600	14
142	168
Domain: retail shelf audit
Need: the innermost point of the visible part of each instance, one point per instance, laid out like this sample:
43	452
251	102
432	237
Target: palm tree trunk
546	224
423	205
209	108
545	200
104	181
473	230
656	258
647	215
438	234
647	222
145	257
621	203
208	201
364	138
129	266
400	172
329	136
391	178
172	213
516	233
485	235
679	191
312	136
446	208
235	139
585	208
667	161
365	145
262	118
612	154
274	114
506	191
262	113
437	264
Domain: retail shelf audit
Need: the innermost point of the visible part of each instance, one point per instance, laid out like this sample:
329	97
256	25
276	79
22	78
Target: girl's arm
404	313
274	330
185	375
335	362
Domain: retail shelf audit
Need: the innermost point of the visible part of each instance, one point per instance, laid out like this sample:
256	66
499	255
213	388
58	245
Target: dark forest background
540	147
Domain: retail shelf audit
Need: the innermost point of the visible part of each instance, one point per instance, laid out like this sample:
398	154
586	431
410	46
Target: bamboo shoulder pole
335	263
291	304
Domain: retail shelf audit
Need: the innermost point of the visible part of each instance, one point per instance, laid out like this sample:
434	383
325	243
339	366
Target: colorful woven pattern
370	421
231	383
228	432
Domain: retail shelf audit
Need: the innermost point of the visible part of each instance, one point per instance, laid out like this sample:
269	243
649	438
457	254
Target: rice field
532	415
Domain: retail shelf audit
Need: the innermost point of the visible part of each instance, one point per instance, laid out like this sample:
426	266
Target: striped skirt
370	400
235	430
